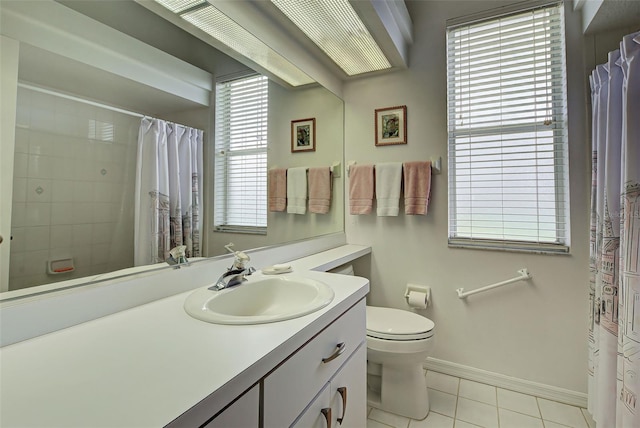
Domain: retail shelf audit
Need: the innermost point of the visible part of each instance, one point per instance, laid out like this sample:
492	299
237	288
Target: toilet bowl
398	342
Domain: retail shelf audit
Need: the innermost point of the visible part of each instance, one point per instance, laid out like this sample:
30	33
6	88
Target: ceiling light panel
177	6
335	27
222	28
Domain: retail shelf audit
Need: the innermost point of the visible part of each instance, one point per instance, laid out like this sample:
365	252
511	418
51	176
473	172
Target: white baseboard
507	382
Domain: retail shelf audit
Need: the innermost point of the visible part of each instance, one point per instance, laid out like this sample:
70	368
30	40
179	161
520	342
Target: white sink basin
259	300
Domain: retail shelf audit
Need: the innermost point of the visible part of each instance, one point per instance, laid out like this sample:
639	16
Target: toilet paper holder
418	289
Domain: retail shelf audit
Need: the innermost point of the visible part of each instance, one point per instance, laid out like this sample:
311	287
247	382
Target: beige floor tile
562	413
462	424
474	412
433	420
477	391
442	403
396	421
442	382
375	424
509	419
518	402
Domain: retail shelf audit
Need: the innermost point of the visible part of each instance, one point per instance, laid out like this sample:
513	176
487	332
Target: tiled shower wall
73	193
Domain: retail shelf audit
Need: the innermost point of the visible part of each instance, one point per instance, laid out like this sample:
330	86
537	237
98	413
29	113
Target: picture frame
391	125
303	135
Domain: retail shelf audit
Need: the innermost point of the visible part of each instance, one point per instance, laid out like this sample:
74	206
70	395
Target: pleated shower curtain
614	333
168	191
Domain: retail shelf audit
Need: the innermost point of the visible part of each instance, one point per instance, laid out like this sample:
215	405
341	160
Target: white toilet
398	342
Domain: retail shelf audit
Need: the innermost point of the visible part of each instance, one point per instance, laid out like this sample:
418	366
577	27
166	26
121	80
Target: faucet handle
240	259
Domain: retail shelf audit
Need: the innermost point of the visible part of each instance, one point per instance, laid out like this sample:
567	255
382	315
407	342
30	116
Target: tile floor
461	403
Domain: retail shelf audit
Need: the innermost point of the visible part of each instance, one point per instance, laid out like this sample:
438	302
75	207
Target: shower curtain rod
81	100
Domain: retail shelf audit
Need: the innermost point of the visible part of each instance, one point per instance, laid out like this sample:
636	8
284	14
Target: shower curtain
614	333
168	191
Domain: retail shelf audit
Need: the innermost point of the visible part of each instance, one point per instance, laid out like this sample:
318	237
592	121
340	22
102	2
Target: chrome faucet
234	275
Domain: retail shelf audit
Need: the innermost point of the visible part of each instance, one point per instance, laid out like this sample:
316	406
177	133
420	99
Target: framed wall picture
303	135
391	125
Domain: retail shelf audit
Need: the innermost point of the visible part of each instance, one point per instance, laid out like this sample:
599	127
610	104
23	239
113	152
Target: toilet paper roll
417	299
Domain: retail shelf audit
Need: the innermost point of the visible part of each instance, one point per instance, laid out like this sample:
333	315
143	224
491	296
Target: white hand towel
388	184
297	190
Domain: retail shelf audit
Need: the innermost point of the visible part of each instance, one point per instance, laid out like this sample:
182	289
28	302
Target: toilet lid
396	324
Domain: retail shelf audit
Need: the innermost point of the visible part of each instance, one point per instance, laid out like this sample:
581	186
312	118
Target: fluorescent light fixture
335	27
178	6
222	28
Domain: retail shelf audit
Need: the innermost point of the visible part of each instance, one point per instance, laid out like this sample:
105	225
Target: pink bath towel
319	190
417	187
277	189
361	187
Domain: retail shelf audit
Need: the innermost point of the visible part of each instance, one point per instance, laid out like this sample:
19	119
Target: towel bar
436	165
524	275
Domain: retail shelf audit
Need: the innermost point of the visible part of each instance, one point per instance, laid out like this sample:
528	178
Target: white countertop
147	365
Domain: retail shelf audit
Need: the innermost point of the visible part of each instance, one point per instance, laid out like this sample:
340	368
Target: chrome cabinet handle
339	350
326	412
343	393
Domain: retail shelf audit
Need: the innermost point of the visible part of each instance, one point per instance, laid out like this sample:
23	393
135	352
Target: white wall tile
21	165
62	213
37	238
19	190
61	236
37	214
81	235
83	191
19	214
62	190
18	240
39	190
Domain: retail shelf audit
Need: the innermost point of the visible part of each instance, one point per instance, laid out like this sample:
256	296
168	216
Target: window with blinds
508	171
241	155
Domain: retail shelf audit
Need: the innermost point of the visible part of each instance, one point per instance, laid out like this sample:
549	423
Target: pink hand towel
319	190
277	189
361	189
417	187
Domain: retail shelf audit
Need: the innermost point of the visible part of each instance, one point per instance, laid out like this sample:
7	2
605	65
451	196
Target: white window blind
241	155
508	172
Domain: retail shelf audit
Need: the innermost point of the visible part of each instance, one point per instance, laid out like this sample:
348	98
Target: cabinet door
318	414
292	386
349	392
241	414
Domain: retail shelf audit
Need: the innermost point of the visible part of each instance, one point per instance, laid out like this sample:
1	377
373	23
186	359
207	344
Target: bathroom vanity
154	365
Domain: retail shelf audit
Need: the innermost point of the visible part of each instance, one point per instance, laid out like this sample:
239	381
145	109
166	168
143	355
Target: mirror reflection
75	148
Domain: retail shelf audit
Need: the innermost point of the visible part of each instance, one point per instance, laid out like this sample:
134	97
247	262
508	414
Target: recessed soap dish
57	267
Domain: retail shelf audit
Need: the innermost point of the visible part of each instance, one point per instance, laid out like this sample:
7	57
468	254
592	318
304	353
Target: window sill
510	246
247	230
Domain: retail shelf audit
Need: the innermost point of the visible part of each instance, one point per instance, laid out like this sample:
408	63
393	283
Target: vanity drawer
293	385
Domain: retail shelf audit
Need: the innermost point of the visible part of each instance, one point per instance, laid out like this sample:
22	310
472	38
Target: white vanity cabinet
293	385
342	402
243	413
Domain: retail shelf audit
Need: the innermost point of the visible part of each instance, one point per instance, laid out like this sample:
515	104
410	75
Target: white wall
533	331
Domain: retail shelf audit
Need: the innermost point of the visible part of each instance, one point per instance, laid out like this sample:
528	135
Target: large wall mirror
76	133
